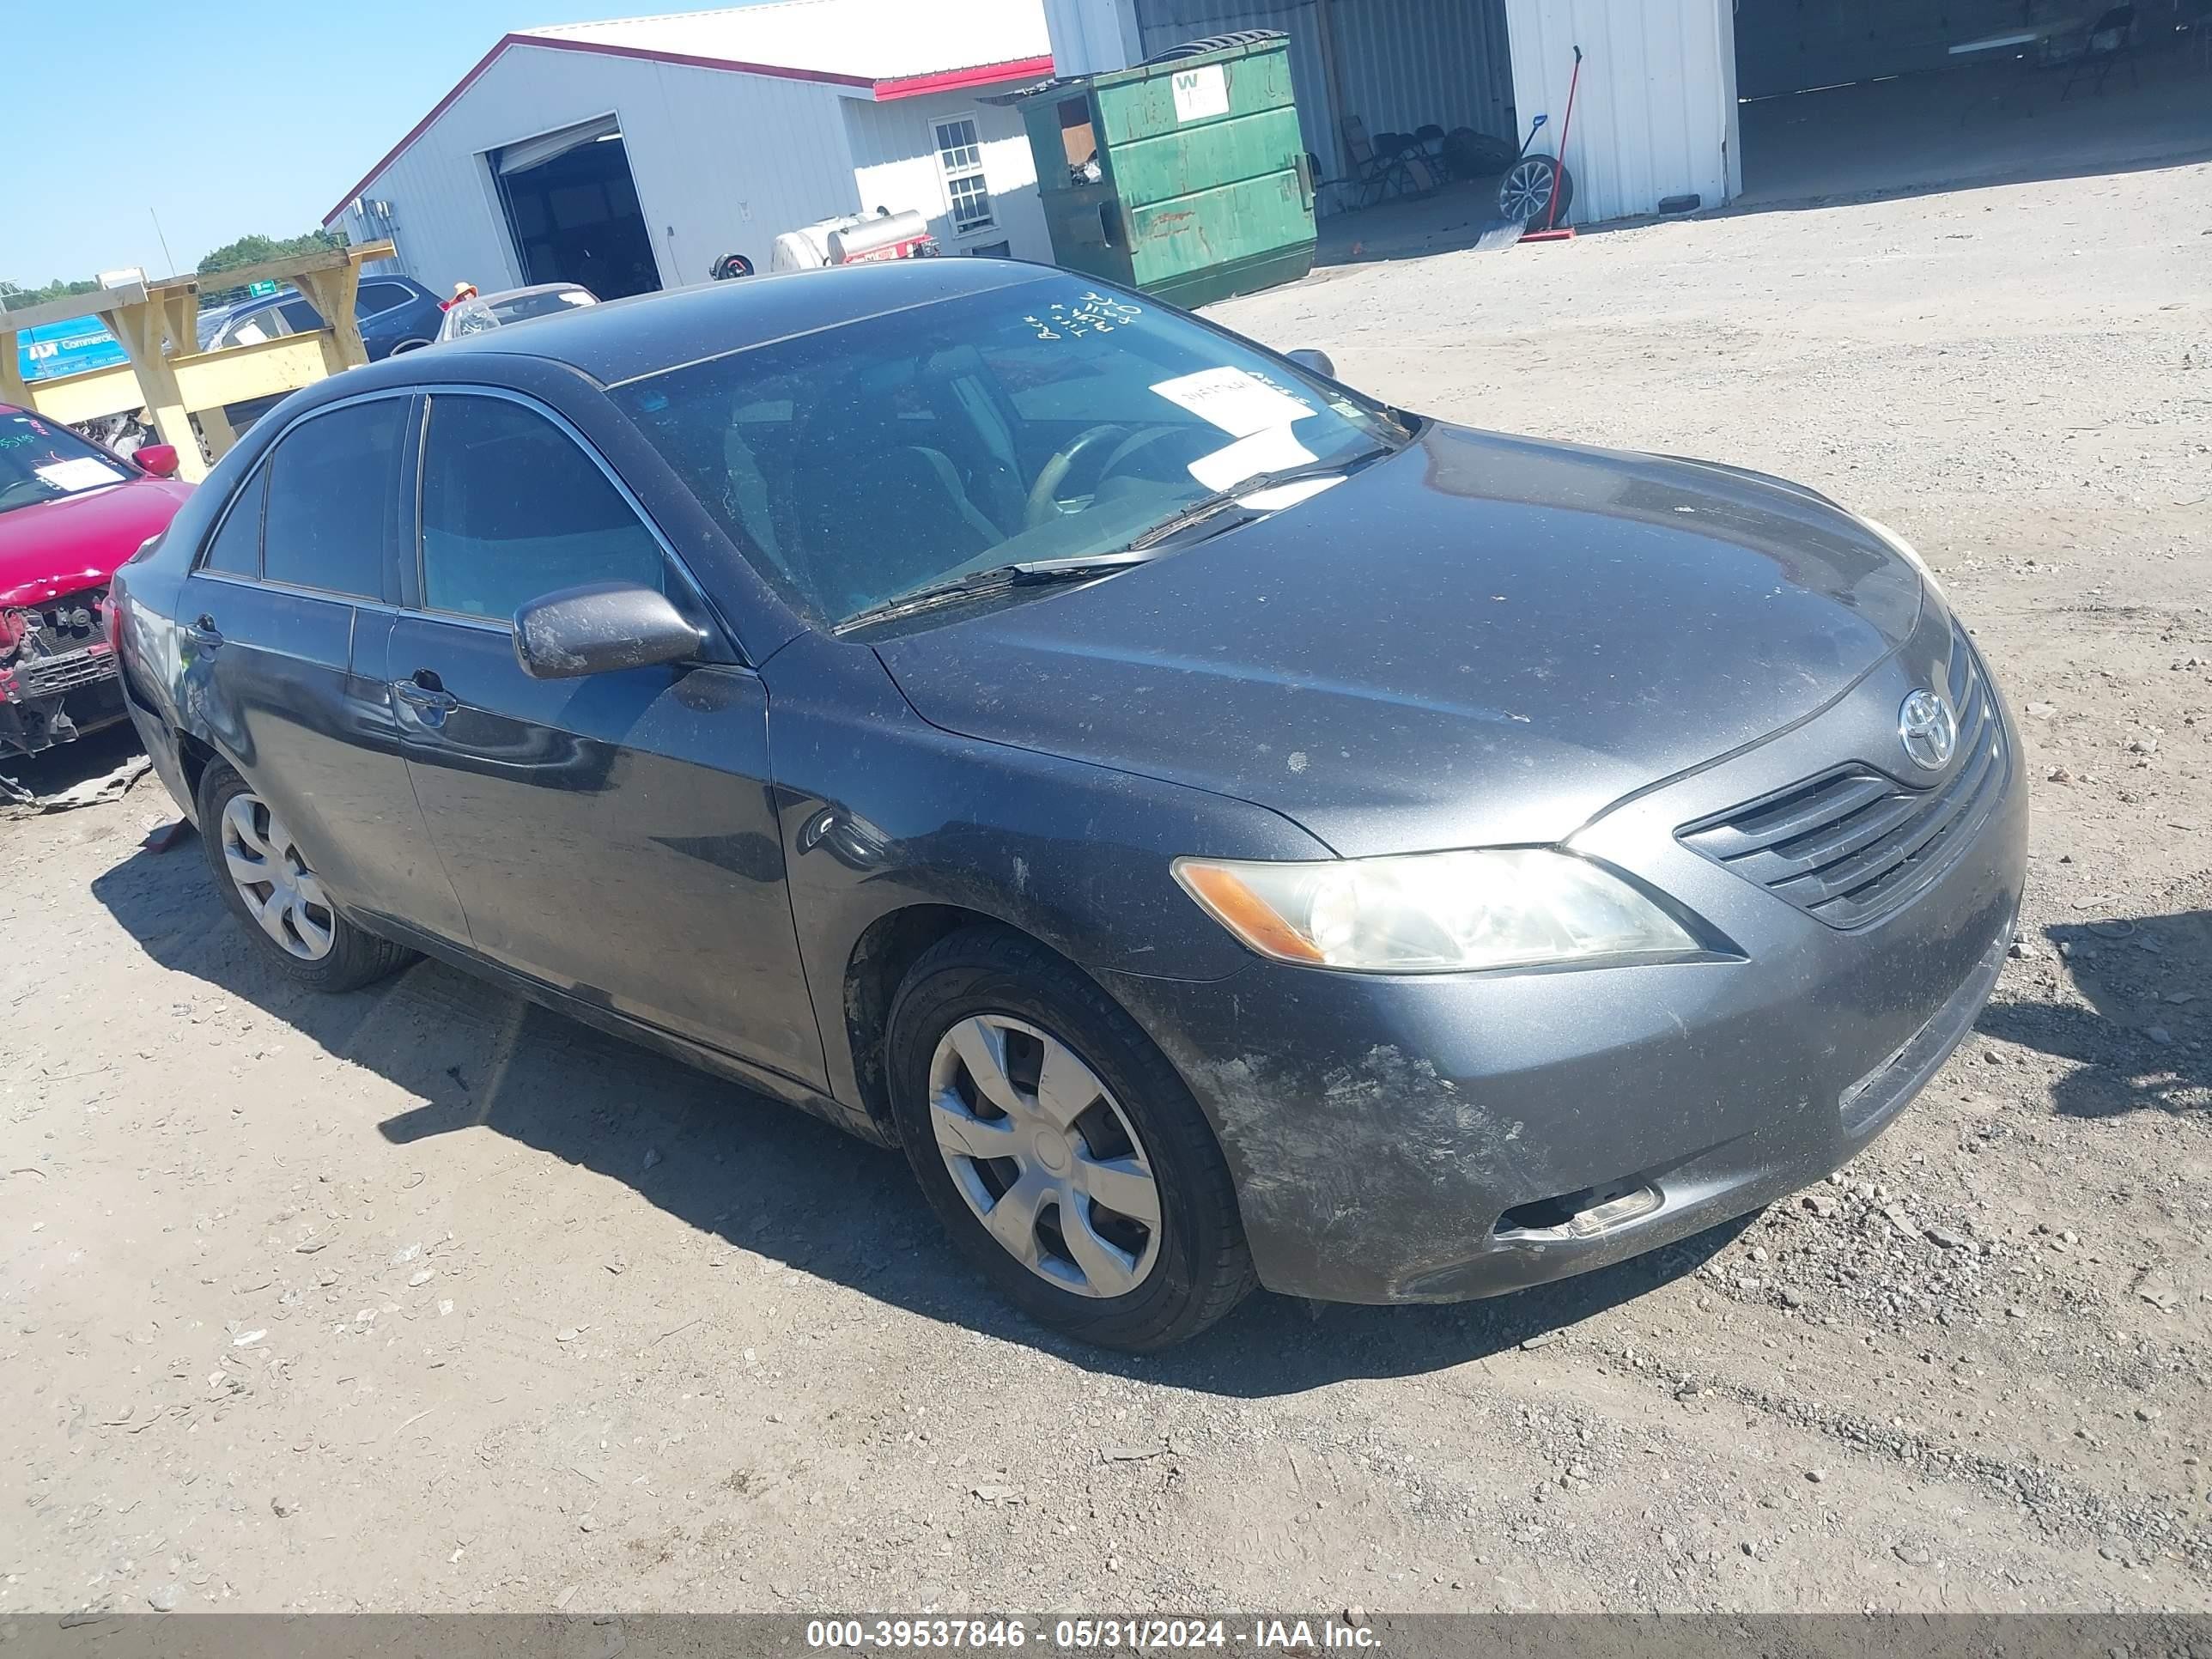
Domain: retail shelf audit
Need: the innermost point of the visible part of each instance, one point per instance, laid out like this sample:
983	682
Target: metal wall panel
1656	114
723	161
1402	63
1399	63
1091	37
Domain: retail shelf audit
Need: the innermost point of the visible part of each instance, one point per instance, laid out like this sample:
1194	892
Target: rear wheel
1059	1147
269	885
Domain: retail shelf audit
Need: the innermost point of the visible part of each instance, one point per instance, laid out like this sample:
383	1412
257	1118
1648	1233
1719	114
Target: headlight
1433	913
1905	551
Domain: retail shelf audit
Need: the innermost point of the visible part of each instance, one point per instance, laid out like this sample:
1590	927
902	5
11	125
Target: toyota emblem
1929	732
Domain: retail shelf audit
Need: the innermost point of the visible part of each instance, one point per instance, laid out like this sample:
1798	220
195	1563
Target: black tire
355	958
1525	192
1202	1269
1214	43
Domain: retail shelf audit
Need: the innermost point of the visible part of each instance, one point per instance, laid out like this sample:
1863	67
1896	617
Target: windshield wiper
1208	506
999	579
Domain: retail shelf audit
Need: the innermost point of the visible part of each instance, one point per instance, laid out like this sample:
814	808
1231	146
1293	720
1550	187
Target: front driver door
614	836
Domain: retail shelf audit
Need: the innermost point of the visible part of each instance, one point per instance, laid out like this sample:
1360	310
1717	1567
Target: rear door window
334	496
513	510
376	297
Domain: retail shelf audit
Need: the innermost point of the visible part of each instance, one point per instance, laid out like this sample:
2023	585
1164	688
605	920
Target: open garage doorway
1896	95
572	209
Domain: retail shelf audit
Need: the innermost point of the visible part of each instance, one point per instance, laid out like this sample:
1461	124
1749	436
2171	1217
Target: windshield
1049	419
40	461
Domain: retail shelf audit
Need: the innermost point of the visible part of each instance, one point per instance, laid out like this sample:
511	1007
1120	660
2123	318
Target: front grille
1852	846
69	623
47	676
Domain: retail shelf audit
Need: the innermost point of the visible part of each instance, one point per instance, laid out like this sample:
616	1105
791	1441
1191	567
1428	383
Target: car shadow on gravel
2138	1046
772	1180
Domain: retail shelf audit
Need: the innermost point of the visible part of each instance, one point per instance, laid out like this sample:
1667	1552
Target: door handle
204	634
425	693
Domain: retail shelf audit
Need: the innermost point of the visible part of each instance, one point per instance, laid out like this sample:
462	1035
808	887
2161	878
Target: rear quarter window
235	548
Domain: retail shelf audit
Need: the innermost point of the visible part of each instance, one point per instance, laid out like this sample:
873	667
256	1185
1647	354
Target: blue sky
225	122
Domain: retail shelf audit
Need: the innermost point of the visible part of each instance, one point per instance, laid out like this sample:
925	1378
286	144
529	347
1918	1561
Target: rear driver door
284	618
614	836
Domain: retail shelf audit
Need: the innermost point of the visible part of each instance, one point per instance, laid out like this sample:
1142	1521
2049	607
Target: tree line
245	251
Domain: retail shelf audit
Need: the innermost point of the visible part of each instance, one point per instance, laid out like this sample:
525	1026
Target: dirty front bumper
45	700
1441	1138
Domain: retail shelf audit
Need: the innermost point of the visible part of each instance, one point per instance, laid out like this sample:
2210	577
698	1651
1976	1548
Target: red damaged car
71	512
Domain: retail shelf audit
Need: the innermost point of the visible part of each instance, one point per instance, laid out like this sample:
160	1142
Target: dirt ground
420	1299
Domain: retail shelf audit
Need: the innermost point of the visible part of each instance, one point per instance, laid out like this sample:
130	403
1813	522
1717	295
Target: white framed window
960	159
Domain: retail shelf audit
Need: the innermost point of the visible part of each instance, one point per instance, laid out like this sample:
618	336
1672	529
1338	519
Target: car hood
59	547
1481	639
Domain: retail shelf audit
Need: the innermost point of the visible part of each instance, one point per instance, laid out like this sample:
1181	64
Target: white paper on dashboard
84	472
1247	457
1233	400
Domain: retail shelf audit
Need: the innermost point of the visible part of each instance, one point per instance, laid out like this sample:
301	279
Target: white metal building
1655	115
1658	112
629	155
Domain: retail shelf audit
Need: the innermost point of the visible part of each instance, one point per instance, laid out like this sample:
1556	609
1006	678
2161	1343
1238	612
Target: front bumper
51	700
1380	1130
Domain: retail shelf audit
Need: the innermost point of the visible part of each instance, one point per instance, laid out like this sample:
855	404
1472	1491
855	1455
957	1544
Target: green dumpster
1186	179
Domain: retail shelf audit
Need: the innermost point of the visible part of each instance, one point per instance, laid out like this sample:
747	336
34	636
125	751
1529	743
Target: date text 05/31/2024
1082	1635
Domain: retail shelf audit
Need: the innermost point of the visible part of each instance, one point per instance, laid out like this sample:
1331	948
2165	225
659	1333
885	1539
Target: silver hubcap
1044	1155
281	893
1526	192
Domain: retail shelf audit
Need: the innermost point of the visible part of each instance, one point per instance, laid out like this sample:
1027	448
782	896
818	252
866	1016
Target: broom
1551	233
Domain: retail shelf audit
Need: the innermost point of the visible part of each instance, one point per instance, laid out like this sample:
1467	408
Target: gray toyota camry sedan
1223	829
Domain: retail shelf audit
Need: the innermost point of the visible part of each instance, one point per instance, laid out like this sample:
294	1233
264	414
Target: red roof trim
915	85
422	125
912	86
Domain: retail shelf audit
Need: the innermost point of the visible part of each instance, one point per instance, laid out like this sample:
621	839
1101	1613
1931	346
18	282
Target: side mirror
600	628
1317	361
159	460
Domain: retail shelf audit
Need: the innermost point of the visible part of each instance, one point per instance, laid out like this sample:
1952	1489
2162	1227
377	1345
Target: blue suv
395	314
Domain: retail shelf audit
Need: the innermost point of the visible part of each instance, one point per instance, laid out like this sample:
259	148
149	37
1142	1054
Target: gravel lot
420	1299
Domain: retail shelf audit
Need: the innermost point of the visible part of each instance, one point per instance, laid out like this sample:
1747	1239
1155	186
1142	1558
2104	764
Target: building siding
1656	114
893	151
1091	37
723	161
1402	63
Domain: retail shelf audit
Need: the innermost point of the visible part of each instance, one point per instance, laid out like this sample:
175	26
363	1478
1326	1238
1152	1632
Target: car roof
622	339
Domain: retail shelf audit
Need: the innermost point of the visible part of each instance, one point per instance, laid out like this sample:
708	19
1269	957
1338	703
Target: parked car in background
481	312
394	314
71	512
1221	827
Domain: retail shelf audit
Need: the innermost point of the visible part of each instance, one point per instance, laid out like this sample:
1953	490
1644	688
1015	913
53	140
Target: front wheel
1059	1147
270	886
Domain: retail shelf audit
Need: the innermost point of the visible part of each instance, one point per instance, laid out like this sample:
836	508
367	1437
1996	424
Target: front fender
880	811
